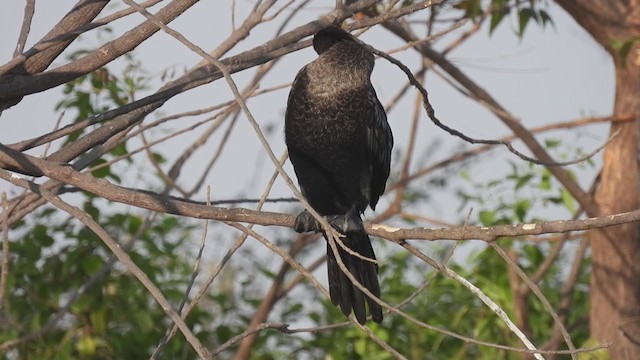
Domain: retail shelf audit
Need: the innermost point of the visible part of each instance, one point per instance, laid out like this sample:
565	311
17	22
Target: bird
340	144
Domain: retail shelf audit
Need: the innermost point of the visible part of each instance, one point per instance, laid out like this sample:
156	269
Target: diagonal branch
82	13
29	10
16	87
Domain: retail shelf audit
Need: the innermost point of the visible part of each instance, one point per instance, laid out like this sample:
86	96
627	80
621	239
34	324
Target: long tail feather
342	291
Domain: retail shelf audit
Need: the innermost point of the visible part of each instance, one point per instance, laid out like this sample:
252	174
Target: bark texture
615	277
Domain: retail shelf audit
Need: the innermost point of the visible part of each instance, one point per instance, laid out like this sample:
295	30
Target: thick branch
82	13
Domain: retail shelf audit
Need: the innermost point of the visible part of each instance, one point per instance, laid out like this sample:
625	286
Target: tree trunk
615	277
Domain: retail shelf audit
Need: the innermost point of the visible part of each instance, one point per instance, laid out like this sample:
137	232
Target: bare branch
431	113
567	291
172	205
82	13
249	332
71	34
479	150
218	268
478	293
539	294
18	86
29	10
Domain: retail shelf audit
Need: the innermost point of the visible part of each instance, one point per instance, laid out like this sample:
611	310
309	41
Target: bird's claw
343	223
306	222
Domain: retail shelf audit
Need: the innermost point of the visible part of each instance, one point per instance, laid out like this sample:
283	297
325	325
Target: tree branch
172	205
29	10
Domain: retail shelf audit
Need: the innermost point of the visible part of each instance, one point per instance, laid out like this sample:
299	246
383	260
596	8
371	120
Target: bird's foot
306	222
344	223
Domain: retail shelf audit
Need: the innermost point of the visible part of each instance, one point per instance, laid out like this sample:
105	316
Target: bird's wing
379	145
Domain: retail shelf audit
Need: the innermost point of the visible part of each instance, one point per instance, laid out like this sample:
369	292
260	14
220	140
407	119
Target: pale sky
551	75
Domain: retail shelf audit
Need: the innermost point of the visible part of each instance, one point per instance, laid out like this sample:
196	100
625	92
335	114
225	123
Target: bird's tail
343	292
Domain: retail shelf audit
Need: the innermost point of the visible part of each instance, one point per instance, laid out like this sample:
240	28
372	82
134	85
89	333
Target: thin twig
564	305
430	38
431	113
536	290
44	45
218	268
29	10
234	340
196	265
478	293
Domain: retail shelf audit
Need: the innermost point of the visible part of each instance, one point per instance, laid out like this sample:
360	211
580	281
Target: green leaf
623	47
600	354
522	207
120	150
545	181
552	143
41	237
523	180
472	8
99	321
134	224
96	82
157	157
91	210
361	346
86	346
168	223
487	218
524	15
91	263
223	333
496	18
545	18
567	200
102	171
293	309
74	136
115	177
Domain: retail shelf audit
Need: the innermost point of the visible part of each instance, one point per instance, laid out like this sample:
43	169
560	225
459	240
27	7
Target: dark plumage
340	145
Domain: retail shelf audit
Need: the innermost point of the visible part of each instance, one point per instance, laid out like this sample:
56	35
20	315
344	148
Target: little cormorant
340	145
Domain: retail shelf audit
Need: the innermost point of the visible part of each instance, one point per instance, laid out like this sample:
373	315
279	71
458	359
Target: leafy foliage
499	10
113	317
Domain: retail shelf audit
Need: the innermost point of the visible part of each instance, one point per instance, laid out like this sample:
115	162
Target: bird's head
329	36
